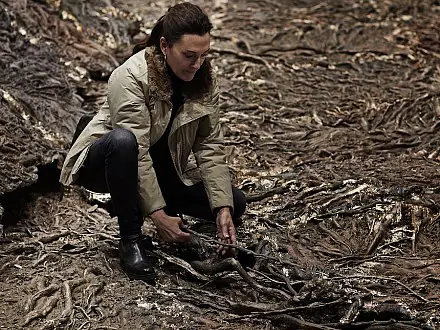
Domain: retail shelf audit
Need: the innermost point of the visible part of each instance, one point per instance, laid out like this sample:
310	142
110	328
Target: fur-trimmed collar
159	82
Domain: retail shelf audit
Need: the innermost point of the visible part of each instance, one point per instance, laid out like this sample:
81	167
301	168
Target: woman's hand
169	228
225	230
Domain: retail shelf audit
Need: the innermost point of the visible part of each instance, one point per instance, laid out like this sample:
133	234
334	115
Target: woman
161	106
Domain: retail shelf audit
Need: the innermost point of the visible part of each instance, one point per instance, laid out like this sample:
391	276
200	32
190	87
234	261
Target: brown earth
331	114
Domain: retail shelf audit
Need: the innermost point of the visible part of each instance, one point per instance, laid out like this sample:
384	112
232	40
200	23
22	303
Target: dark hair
183	18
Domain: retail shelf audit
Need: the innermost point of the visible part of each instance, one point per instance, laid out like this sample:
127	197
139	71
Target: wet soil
331	113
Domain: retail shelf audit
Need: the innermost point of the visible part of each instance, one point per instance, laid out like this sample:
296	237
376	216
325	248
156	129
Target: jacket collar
159	82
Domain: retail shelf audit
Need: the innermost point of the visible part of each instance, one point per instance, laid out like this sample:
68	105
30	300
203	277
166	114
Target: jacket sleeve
128	110
208	149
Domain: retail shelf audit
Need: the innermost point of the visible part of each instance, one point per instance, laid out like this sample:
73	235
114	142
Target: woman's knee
239	202
121	139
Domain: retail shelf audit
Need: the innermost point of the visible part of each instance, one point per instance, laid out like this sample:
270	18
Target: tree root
31	245
295	323
42	259
68	304
21	248
45	309
277	273
53	237
52	301
182	264
260	196
91	299
283	311
240	248
42	293
4	267
232	264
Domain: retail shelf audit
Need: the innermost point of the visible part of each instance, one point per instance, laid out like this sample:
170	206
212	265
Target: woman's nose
198	63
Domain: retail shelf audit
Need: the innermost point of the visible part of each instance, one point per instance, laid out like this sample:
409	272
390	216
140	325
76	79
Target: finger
220	247
180	222
225	249
183	237
233	235
225	231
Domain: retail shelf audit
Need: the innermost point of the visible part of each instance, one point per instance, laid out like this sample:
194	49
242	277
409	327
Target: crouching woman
162	105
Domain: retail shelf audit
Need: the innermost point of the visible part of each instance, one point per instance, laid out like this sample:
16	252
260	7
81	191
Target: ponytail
153	39
156	34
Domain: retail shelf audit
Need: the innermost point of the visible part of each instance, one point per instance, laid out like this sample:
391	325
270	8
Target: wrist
156	215
223	210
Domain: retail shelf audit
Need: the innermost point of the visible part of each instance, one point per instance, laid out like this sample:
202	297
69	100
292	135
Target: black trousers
111	167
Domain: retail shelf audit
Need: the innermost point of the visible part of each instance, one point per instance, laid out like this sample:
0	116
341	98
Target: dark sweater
160	151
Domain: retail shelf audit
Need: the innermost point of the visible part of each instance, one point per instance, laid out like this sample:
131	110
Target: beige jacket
138	99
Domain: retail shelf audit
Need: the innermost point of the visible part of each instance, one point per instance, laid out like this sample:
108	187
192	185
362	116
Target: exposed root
42	259
21	248
4	267
181	264
68	304
53	237
91	299
232	264
43	293
45	309
295	323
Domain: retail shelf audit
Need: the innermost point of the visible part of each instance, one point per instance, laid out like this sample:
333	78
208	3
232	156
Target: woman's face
187	55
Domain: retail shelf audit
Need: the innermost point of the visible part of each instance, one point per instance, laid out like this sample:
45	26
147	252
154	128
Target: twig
84	312
258	197
315	190
392	280
27	247
373	324
345	194
43	258
243	107
276	272
383	228
202	302
243	56
251	270
310	307
335	237
84	325
295	323
349	212
92	296
290	49
352	312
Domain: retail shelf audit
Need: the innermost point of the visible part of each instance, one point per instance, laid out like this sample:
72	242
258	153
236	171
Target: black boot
134	260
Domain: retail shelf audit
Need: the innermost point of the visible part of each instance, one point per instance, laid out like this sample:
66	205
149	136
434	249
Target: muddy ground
331	114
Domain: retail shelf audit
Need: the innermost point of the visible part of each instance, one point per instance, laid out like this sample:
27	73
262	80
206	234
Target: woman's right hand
169	228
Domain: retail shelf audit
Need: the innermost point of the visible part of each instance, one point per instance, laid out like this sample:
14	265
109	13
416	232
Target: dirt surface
331	114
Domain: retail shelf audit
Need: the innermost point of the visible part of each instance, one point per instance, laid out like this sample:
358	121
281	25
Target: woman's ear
163	45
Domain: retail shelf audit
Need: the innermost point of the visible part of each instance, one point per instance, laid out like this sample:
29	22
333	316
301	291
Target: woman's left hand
225	230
